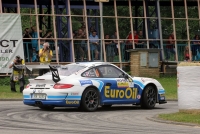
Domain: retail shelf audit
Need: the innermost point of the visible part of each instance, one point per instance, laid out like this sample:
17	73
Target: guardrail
112	53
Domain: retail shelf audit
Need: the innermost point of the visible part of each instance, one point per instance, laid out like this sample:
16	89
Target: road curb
159	120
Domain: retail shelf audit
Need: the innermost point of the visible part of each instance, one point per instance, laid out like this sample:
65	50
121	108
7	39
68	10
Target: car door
118	87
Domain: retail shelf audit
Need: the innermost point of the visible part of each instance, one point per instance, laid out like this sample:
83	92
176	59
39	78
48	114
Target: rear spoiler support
55	74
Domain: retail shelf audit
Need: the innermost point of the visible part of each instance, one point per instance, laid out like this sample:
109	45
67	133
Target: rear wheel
46	108
90	100
149	97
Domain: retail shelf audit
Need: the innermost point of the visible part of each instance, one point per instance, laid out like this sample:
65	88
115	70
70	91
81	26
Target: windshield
67	70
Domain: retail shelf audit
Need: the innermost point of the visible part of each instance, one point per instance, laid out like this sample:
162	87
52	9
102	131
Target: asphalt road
16	118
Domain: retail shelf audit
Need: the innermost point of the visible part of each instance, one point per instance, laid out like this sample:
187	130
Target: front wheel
90	100
149	97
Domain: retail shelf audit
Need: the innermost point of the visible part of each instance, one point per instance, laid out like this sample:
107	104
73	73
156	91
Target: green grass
170	85
5	93
185	117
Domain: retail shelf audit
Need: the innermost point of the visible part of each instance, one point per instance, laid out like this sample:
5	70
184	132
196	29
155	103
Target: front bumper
162	101
55	103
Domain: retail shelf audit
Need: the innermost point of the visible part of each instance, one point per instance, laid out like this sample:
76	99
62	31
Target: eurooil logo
72	102
128	93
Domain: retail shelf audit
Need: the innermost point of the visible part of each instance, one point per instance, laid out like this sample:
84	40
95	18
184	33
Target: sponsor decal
128	93
40	85
74	94
122	83
84	82
138	96
72	102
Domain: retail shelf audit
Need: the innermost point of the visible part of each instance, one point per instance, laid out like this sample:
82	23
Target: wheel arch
150	84
92	86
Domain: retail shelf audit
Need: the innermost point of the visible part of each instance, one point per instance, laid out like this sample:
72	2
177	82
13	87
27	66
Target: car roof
89	64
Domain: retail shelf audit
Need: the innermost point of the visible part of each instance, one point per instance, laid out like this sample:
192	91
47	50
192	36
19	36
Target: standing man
170	47
45	55
79	53
94	43
17	74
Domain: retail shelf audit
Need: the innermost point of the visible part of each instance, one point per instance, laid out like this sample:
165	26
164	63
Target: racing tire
149	97
46	108
90	100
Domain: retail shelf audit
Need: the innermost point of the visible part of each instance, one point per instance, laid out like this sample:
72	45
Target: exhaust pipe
38	103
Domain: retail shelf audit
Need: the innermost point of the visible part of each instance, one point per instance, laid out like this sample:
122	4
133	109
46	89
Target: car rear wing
30	68
55	74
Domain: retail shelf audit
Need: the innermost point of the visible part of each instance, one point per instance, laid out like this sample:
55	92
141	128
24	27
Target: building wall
142	71
156	19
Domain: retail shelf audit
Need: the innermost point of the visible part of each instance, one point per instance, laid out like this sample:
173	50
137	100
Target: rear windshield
68	69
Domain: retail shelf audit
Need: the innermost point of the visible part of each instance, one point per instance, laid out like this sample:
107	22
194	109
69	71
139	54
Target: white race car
87	85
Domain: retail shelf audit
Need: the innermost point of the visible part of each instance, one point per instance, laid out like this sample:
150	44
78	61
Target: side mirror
125	76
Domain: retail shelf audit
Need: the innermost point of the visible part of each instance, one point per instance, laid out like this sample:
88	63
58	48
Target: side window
91	73
110	72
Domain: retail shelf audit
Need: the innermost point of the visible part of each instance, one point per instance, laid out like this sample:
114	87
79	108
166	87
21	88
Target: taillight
62	86
27	86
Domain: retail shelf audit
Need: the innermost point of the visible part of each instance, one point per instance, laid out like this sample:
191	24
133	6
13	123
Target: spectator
110	49
196	47
17	75
42	41
34	44
187	55
140	40
83	27
78	44
27	43
196	40
74	33
45	55
129	44
94	42
49	35
92	29
116	42
171	47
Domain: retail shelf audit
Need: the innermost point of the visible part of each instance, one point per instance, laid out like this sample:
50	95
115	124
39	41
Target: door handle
108	84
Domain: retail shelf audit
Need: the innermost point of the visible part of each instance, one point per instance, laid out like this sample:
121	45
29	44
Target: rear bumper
55	103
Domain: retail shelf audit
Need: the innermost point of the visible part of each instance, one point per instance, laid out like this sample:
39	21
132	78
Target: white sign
11	43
